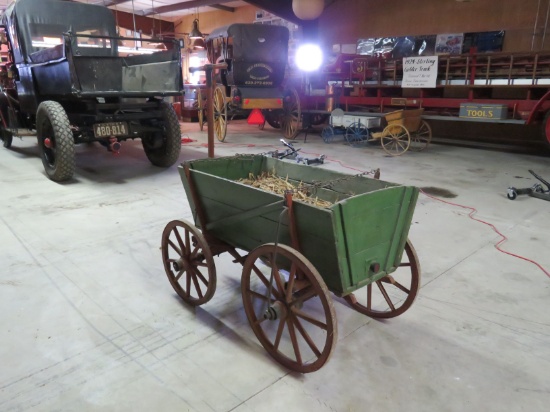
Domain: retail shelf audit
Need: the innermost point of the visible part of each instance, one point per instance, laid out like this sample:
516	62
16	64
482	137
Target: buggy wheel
292	113
393	294
55	141
421	138
289	307
356	133
327	134
220	113
164	149
188	262
273	118
6	137
396	139
200	109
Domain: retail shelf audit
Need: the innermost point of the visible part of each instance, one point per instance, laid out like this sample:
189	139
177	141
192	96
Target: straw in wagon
270	182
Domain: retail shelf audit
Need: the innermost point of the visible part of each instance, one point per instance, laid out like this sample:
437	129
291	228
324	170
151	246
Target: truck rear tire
55	141
167	153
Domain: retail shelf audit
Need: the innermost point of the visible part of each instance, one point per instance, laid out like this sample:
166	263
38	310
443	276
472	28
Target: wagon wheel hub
179	265
278	310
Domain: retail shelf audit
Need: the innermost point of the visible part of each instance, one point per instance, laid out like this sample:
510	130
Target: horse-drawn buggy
404	129
256	57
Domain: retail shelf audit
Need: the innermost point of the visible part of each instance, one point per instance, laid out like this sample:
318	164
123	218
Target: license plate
110	129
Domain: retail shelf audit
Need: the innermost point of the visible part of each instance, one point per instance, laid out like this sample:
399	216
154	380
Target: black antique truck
68	77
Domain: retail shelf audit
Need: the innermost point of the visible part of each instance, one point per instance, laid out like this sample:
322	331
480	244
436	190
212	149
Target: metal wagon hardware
256	56
295	252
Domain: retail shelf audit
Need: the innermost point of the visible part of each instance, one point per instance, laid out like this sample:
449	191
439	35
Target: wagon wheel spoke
177	249
394	294
193	252
279	334
200	276
309	319
178	276
385	294
180	241
303	295
196	283
258	295
290	284
265	281
306	337
295	345
303	305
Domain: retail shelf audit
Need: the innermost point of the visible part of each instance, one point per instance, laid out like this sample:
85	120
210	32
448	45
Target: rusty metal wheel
289	307
396	139
188	262
421	138
392	295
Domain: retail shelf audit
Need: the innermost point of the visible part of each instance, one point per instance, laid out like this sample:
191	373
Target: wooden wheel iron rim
421	138
396	139
390	287
188	262
292	113
284	316
220	113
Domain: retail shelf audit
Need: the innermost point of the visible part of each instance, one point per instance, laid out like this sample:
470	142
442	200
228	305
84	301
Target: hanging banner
420	71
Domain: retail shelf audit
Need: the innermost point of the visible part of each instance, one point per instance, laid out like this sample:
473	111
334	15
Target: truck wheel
6	138
167	152
55	141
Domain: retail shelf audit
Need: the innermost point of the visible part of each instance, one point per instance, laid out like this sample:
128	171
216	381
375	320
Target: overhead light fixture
308	9
199	44
195	32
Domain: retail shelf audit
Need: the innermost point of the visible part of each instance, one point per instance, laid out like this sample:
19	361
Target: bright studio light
309	57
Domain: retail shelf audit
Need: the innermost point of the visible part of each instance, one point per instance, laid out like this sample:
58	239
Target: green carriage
295	252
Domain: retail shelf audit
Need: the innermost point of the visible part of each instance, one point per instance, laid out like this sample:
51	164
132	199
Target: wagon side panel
374	228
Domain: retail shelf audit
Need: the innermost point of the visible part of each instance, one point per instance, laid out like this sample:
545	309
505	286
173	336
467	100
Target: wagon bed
296	252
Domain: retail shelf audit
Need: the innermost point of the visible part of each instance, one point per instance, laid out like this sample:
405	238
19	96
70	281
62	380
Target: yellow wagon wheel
396	139
393	294
220	113
289	307
188	262
292	113
201	108
421	138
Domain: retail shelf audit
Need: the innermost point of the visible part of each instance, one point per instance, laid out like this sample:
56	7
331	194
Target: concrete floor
90	322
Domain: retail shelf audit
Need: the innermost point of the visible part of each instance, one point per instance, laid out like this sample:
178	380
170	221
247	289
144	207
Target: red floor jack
537	190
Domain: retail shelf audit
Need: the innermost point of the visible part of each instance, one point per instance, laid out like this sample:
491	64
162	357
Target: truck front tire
55	140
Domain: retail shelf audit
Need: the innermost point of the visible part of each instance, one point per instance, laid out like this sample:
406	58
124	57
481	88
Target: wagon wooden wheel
396	139
188	262
292	113
289	310
421	138
220	112
392	295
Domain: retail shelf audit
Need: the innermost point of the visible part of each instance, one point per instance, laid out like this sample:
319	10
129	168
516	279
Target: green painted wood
369	224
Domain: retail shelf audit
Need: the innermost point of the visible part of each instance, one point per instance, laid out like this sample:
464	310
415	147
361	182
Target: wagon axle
276	311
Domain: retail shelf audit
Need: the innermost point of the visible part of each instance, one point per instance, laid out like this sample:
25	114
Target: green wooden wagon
295	252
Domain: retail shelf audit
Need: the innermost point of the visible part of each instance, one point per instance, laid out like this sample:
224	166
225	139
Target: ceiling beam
181	6
224	8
